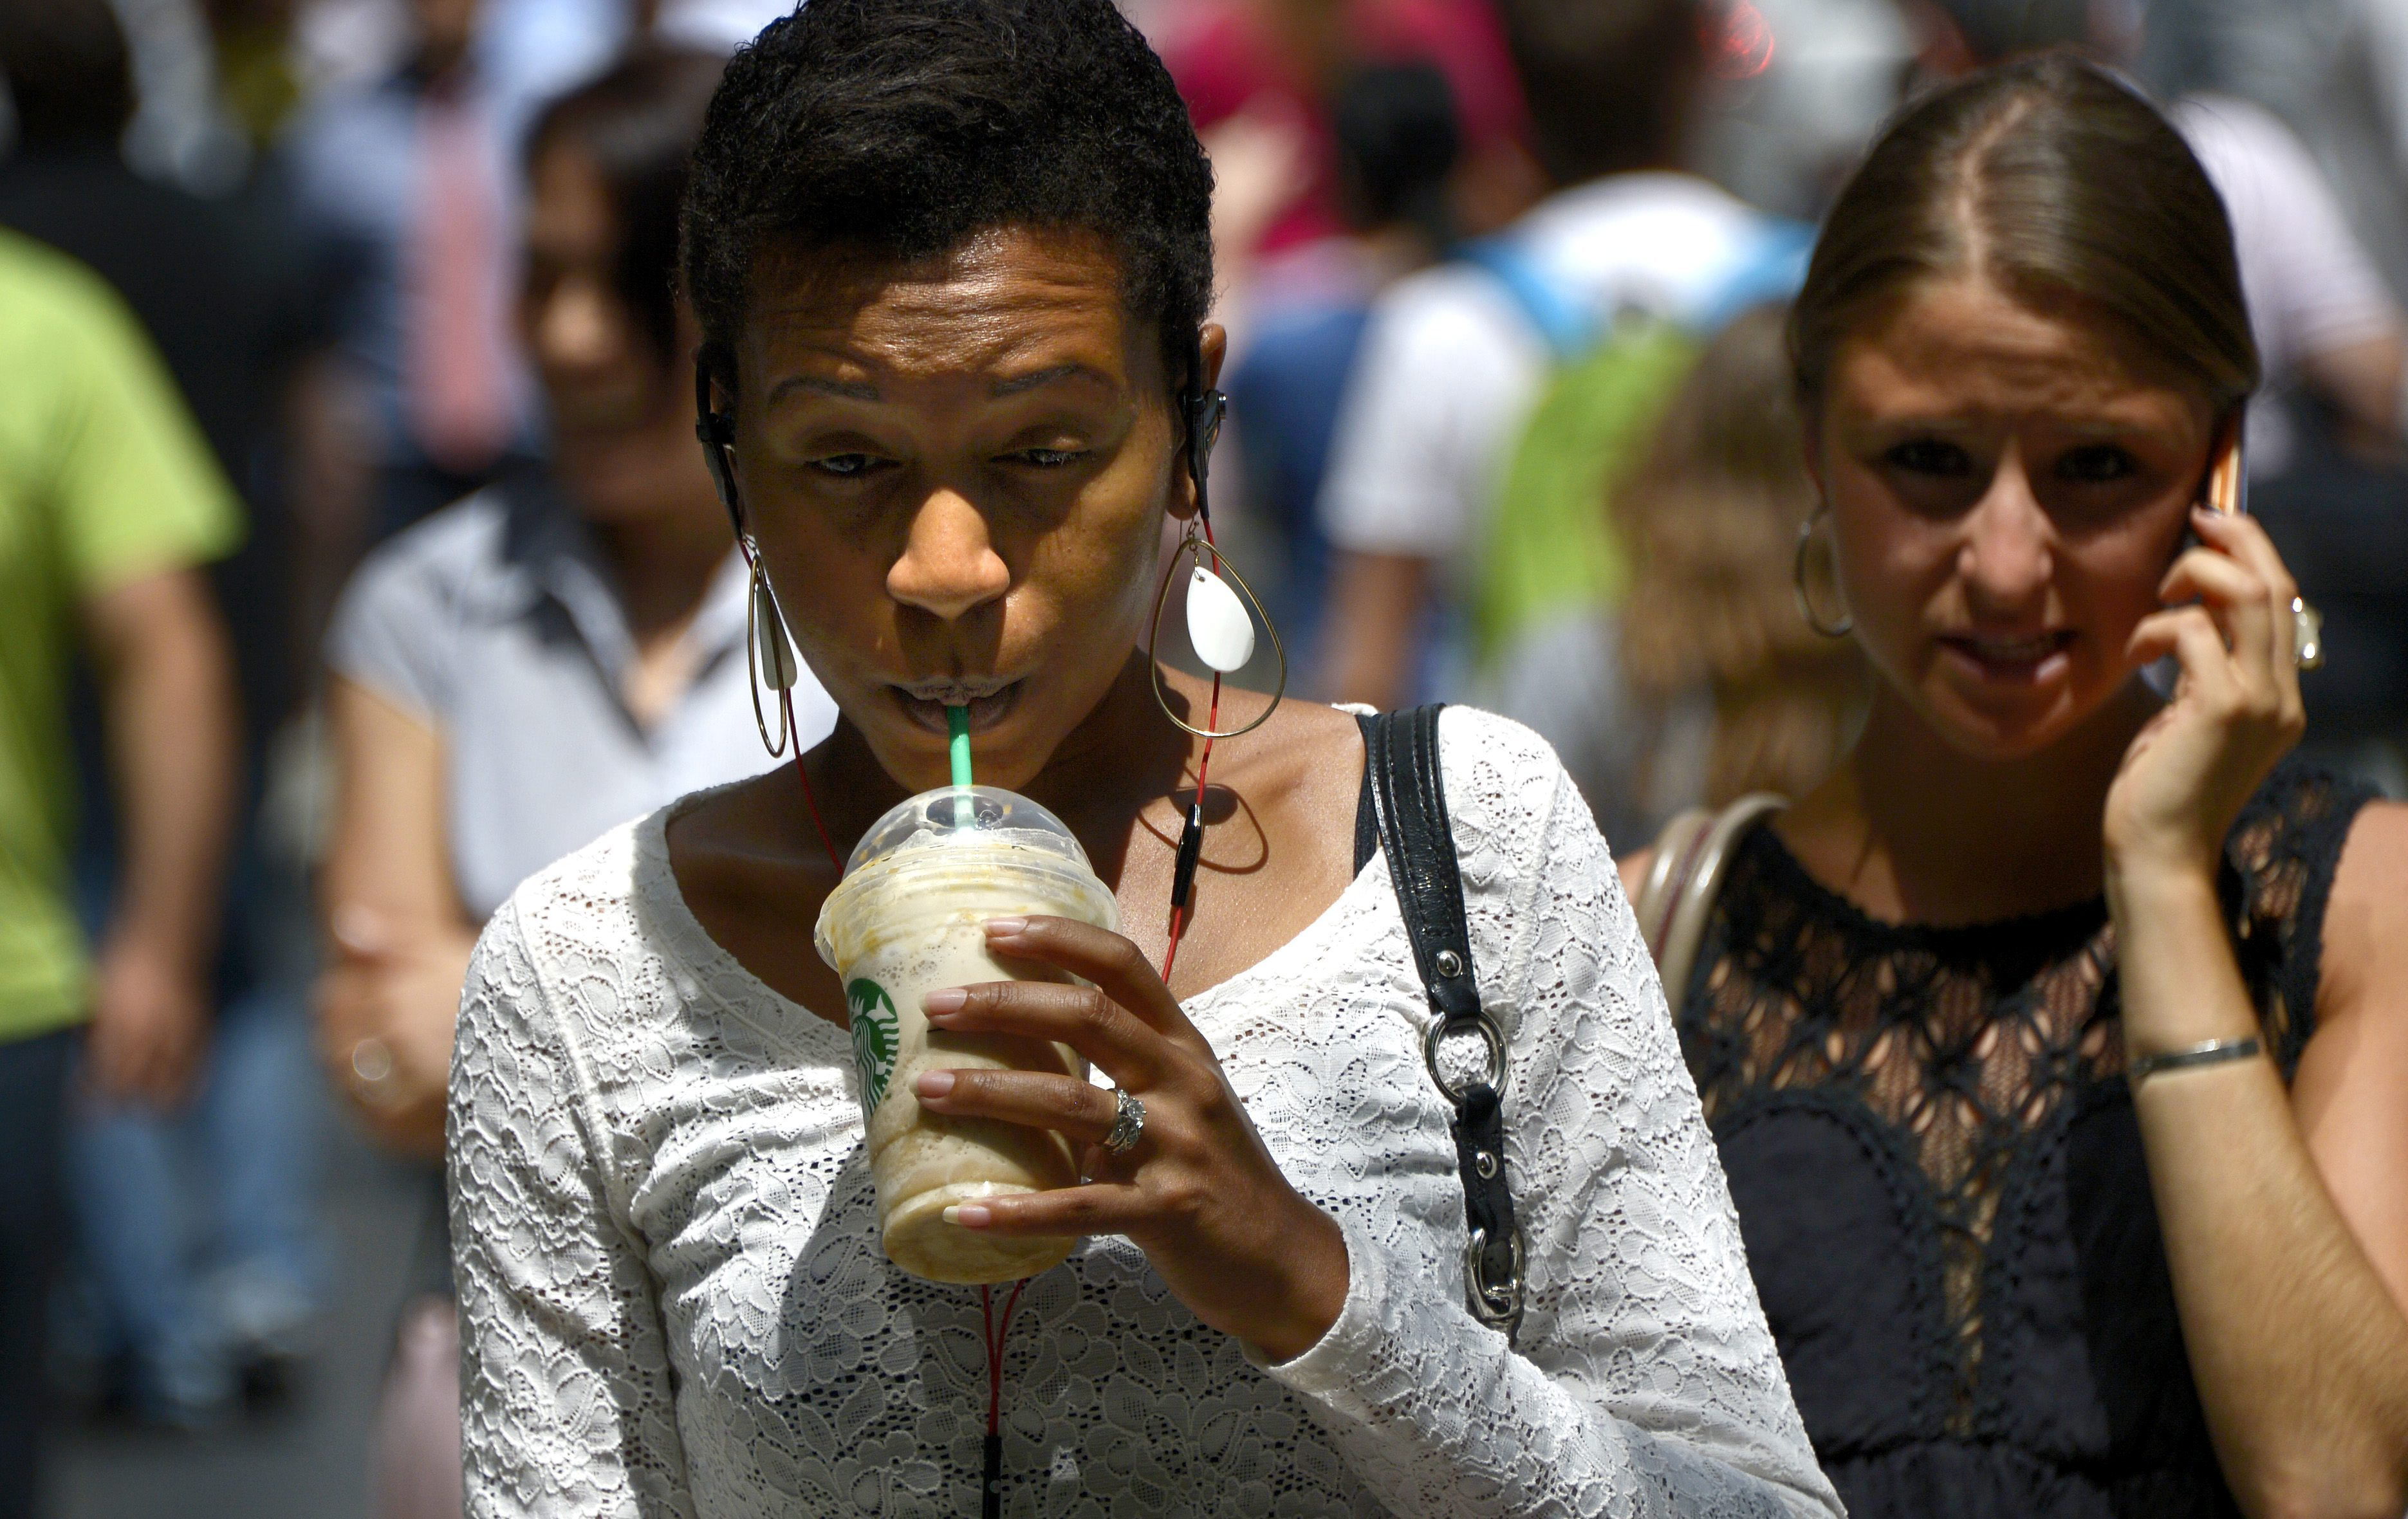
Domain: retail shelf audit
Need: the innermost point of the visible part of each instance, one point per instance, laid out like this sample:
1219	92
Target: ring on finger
1129	1123
2307	634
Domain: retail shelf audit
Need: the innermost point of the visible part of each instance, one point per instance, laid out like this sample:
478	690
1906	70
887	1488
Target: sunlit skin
959	472
2007	488
966	483
2010	487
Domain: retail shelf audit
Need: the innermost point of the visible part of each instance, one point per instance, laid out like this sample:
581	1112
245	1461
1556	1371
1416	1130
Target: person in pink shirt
1277	64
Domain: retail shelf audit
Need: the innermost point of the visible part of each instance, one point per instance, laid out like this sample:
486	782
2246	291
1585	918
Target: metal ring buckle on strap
1490	1035
1498	1304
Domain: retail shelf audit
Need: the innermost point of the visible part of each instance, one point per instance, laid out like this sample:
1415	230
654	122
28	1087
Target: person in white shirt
951	266
1454	361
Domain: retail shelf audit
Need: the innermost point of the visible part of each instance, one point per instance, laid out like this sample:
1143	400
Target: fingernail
969	1215
1005	927
951	999
933	1083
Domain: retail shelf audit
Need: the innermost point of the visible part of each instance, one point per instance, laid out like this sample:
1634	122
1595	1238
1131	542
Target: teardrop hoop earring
1847	621
1199	542
1205	414
765	644
716	432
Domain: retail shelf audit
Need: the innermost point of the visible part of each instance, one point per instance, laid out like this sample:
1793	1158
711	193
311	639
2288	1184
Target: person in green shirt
109	500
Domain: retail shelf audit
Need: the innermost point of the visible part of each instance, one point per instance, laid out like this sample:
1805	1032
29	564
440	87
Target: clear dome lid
951	816
947	849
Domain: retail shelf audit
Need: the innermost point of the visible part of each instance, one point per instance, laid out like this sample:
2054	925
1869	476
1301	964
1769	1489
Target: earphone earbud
716	431
1205	415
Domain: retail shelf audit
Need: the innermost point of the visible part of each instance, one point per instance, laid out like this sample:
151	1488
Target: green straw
957	720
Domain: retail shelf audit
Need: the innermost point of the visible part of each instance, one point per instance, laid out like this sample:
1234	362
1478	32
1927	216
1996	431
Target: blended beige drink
907	920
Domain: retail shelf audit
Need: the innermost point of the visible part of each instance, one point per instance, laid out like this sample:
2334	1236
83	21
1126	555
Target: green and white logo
876	1034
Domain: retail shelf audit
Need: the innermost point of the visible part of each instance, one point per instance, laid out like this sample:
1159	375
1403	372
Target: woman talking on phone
951	264
2057	1046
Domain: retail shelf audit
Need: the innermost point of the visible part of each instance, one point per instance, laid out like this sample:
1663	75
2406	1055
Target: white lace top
674	1303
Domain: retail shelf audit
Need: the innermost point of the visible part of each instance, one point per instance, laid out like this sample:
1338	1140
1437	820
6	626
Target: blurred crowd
356	557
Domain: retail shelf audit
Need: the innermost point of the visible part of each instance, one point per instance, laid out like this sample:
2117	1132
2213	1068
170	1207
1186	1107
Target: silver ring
1128	1125
2307	634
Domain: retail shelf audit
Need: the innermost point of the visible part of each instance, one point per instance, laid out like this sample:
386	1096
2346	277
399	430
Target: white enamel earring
1220	627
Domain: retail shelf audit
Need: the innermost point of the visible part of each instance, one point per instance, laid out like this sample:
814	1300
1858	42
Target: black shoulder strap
1401	765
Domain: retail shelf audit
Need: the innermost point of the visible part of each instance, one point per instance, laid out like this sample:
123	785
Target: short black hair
1995	30
637	125
1609	82
903	129
68	72
1398	139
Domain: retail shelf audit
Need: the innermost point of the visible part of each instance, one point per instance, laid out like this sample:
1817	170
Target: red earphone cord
992	1334
995	1334
1183	880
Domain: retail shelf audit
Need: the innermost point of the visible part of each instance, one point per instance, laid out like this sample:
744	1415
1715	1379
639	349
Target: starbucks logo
876	1032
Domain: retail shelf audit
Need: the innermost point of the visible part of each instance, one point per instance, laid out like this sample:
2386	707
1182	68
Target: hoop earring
1847	621
1219	629
1214	615
765	646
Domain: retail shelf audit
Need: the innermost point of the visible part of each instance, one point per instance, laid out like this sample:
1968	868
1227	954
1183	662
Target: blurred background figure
108	503
1707	684
1495	395
1800	85
407	173
199	1240
1397	140
514	675
2335	72
1275	69
407	180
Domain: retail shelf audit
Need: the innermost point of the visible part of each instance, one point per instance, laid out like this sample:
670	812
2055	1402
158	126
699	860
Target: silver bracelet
2212	1053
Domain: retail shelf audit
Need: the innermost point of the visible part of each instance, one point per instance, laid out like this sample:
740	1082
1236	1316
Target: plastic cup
909	919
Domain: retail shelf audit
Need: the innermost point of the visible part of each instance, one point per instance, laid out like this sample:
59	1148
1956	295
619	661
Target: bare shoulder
1633	867
2365	969
1304	750
2351	1088
722	819
726	845
748	873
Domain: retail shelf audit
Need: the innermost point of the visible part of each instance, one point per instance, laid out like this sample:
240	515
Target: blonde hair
1711	516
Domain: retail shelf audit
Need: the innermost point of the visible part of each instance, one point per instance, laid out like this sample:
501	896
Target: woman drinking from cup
952	265
2057	1046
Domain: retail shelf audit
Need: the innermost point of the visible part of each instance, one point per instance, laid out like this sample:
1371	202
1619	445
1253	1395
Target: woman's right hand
386	1007
2235	711
1198	1191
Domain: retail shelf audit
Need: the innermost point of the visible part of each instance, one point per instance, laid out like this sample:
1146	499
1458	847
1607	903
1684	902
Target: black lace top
1940	1180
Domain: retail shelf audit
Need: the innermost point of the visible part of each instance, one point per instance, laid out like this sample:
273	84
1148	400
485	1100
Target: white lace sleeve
565	1399
1644	1380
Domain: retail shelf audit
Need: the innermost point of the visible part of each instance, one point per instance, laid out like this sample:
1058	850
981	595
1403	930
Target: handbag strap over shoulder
1692	855
1409	796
